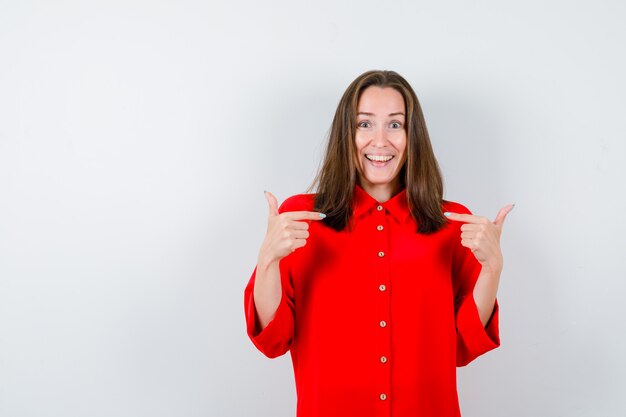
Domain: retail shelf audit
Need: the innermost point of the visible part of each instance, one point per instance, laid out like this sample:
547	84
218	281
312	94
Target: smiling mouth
379	158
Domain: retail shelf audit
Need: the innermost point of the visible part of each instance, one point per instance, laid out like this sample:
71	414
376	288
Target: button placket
382	276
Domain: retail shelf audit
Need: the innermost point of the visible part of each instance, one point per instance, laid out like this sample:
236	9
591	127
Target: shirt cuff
275	339
474	338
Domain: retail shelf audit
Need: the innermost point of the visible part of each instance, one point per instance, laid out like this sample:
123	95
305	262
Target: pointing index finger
467	218
304	215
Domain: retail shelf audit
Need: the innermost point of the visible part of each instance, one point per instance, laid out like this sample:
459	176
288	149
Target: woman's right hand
286	232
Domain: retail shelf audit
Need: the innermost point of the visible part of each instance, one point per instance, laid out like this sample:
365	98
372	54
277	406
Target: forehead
381	101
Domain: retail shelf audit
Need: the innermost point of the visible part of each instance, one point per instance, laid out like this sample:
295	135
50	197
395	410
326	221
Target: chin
381	179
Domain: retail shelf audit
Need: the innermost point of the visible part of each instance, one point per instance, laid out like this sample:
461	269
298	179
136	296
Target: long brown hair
420	174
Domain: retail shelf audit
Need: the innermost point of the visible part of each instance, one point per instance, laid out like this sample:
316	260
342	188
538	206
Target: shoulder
298	202
454	207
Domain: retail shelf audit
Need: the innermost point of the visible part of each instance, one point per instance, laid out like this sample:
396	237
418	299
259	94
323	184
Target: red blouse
377	317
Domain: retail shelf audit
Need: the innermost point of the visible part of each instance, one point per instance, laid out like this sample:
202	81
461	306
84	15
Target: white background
137	137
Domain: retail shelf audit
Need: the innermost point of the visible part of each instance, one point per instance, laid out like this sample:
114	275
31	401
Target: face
380	139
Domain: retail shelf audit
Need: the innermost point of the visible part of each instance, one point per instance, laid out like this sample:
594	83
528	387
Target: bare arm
485	292
267	290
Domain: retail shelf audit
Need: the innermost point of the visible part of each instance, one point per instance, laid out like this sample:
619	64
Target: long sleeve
473	339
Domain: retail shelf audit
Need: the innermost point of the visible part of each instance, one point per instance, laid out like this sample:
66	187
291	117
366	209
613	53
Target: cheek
356	156
359	142
401	146
399	143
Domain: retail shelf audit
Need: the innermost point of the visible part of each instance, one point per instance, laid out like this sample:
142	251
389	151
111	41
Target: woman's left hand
482	236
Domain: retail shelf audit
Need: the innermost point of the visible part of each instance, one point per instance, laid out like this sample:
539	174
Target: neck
381	192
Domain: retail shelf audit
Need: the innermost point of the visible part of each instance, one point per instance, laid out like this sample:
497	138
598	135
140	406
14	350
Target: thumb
499	221
273	203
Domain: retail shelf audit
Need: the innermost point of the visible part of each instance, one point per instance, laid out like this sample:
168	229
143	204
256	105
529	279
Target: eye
364	124
395	125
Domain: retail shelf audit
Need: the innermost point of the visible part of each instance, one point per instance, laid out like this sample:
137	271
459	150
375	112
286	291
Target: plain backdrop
137	137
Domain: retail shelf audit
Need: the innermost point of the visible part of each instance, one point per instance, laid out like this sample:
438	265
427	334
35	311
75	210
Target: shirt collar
397	205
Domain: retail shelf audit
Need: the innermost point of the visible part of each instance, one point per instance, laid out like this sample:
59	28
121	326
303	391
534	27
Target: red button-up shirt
378	317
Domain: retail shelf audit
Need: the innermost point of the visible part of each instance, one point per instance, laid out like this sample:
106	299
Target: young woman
377	286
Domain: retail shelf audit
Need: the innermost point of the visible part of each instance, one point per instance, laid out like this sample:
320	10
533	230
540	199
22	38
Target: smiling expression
380	140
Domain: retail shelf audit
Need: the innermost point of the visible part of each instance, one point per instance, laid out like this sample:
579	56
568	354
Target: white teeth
379	158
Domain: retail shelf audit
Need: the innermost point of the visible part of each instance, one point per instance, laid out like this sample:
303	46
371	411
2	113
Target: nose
379	137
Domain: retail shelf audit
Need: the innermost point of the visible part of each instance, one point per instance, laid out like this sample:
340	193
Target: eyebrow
372	114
